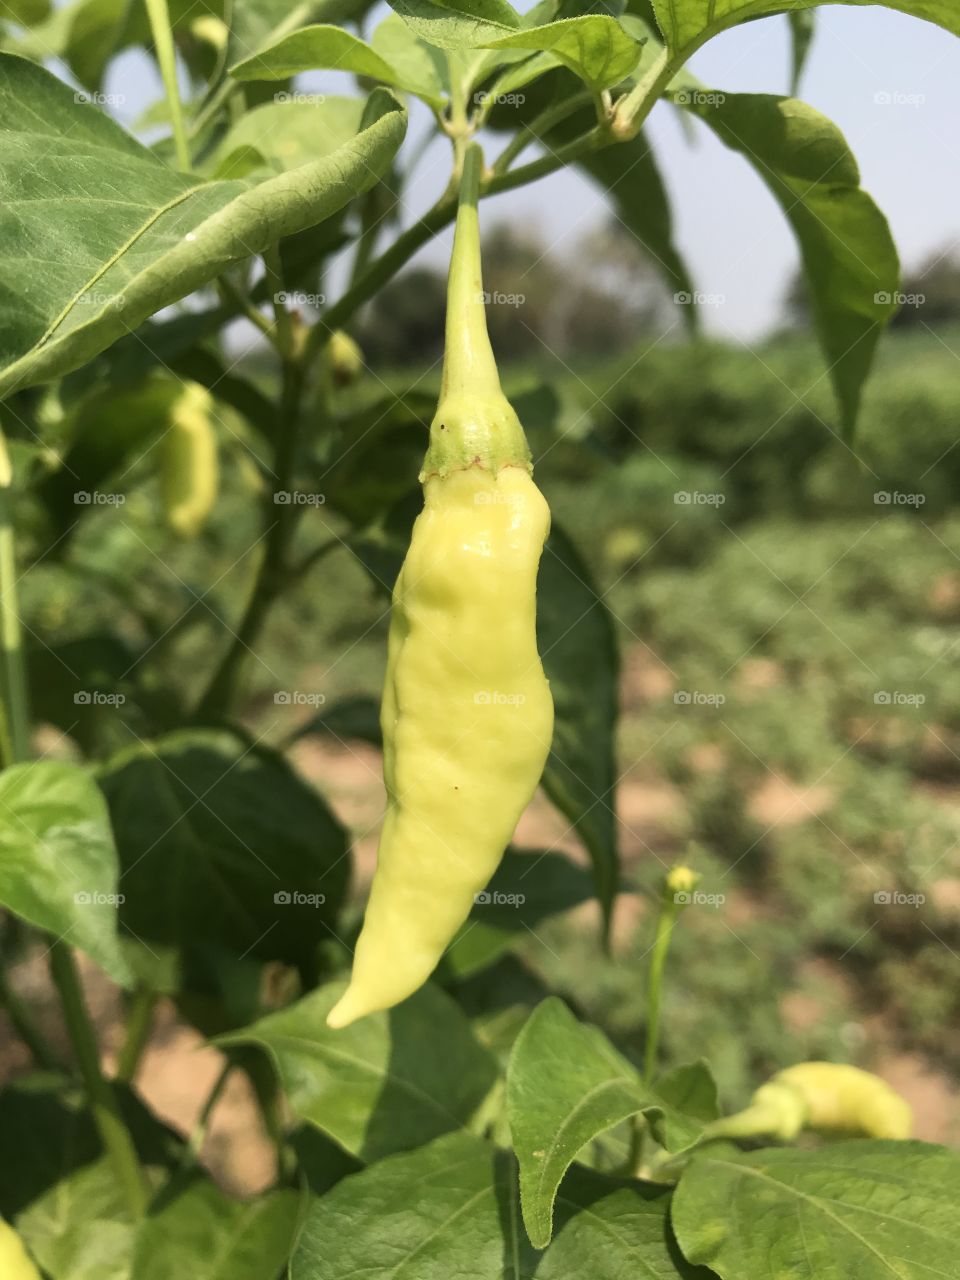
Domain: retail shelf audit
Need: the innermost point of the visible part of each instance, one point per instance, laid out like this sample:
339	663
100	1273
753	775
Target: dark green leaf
448	1209
593	46
119	234
385	1083
578	649
849	257
688	23
865	1209
58	862
222	842
458	24
527	887
204	1235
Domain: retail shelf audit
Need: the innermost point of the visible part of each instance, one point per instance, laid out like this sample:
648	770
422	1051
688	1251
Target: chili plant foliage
461	1129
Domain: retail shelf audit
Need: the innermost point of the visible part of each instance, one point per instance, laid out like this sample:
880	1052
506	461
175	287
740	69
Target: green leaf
447	1209
288	134
423	68
688	23
221	842
594	46
205	1235
612	1230
565	1084
81	1228
58	862
45	1120
691	1094
527	887
849	257
578	648
254	24
458	24
385	1083
115	235
325	47
377	455
862	1208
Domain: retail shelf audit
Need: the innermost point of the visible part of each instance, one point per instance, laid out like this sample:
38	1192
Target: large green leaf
579	653
595	47
204	1235
865	1209
290	134
849	258
253	24
58	862
566	1084
688	23
458	24
223	843
450	1209
324	47
81	1227
387	1082
98	233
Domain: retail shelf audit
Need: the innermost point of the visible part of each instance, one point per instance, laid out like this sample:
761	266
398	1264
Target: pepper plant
477	1127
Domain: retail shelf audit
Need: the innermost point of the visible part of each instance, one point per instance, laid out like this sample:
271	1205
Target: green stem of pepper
22	1022
162	32
16	720
114	1134
139	1026
670	905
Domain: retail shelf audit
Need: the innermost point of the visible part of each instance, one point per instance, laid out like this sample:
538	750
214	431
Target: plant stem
103	1102
16	746
139	1026
222	691
632	109
159	14
661	945
534	131
41	1052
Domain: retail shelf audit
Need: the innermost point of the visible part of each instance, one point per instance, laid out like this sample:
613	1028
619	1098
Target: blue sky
733	235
